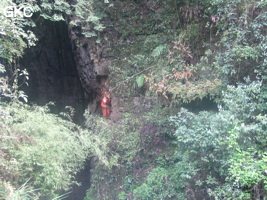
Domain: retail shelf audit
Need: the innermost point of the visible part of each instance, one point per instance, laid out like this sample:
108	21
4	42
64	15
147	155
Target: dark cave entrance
53	72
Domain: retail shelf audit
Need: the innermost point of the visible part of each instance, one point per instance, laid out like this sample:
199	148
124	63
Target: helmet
105	102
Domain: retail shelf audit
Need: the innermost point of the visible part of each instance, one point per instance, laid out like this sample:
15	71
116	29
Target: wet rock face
84	64
92	62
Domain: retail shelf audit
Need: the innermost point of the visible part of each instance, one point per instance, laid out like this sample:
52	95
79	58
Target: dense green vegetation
171	52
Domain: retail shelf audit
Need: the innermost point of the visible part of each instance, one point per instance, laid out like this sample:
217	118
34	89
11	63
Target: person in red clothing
106	106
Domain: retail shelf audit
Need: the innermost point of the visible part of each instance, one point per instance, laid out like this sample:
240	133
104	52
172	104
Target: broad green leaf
140	80
158	50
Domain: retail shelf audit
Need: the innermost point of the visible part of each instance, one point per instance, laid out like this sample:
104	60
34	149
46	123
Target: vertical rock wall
92	62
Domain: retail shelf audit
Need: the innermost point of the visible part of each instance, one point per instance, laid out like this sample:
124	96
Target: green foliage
228	146
37	144
243	41
158	51
14	38
87	16
50	150
51	10
162	184
123	146
176	80
248	170
12	92
163	58
234	35
140	80
171	77
138	155
24	192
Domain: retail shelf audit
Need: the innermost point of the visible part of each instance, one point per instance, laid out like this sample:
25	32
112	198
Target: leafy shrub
226	148
123	144
45	148
243	42
162	184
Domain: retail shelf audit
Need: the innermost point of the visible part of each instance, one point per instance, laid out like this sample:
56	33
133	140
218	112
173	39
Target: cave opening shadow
53	75
83	177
